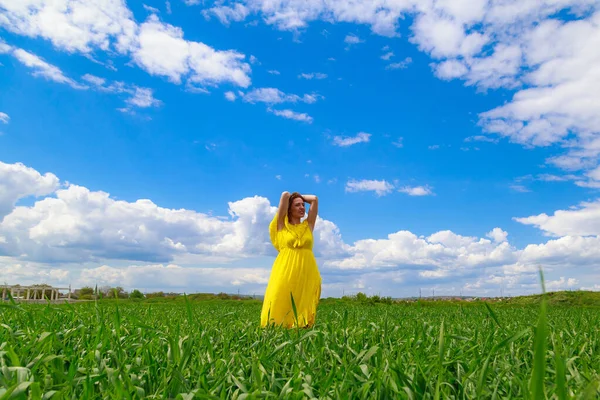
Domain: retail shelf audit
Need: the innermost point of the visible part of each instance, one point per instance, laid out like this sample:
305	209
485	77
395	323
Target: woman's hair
294	196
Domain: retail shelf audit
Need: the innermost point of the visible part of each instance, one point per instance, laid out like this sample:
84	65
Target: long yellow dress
294	271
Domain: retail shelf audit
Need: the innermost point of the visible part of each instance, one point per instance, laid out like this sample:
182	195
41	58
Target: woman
295	272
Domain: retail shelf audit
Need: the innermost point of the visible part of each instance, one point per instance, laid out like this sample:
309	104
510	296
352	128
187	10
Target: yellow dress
294	271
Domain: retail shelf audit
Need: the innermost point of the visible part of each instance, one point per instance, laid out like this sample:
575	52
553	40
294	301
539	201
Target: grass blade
537	386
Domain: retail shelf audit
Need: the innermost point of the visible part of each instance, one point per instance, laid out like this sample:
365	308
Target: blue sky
434	122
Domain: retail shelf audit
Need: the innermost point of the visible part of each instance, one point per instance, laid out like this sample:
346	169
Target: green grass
575	298
215	349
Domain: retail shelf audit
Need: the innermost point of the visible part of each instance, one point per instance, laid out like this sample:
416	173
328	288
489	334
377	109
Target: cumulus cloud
380	187
230	96
497	235
416	190
383	187
157	276
400	65
4	118
387	55
73	234
157	47
345	141
226	14
81	224
72	25
352	39
444	251
76	224
18	181
161	50
276	96
289	114
583	220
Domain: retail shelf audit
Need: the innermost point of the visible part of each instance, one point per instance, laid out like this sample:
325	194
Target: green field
215	349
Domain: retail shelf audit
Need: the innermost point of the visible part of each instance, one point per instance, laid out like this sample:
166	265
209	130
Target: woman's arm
283	209
313	210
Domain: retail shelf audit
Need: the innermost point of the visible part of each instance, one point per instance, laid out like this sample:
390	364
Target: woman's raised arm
313	210
283	209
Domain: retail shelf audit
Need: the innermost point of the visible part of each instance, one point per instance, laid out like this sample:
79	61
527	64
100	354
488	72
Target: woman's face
297	209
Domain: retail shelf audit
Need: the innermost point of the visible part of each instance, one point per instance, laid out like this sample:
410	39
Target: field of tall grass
216	350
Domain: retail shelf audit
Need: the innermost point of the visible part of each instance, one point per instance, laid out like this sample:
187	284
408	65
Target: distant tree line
108	292
362	298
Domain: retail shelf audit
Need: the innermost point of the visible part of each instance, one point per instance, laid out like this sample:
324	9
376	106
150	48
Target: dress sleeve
273	234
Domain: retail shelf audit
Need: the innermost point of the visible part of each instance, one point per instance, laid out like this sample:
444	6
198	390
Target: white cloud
481	138
143	98
399	142
416	190
4	118
274	72
345	141
400	65
447	252
562	98
583	220
311	98
380	187
108	25
140	244
276	96
315	75
77	224
387	55
139	97
555	178
451	69
18	181
162	50
72	25
520	188
28	273
151	9
497	235
289	114
445	37
352	39
94	80
151	277
4	47
43	69
594	174
230	96
226	14
81	224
